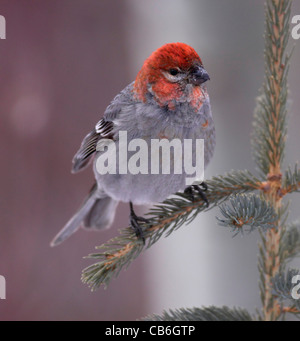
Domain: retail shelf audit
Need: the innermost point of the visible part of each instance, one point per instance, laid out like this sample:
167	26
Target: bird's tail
95	213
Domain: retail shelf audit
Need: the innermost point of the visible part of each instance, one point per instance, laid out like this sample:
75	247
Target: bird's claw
134	223
200	189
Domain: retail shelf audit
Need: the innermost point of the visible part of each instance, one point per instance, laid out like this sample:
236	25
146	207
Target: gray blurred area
62	63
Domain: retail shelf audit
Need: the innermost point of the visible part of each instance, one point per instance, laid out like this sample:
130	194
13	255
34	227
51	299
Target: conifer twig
247	211
163	219
211	313
270	131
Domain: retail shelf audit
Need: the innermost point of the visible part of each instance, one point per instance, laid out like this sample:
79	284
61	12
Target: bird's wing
103	129
81	159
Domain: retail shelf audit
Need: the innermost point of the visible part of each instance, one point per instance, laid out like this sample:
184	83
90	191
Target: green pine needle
247	212
211	313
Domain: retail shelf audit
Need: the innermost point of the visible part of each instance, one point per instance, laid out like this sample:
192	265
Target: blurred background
61	64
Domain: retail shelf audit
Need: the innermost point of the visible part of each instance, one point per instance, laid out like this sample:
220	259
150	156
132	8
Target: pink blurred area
61	64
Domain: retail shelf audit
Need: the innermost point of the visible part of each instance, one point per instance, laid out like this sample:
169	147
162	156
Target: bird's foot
200	189
134	223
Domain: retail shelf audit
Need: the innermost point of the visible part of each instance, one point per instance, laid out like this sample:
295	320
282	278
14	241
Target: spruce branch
291	181
282	285
247	211
270	113
269	143
211	313
290	242
163	219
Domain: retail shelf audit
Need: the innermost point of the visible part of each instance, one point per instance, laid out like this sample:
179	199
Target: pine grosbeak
168	99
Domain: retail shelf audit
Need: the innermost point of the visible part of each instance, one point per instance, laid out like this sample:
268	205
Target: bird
167	100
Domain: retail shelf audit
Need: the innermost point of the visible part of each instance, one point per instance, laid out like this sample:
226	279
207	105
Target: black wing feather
103	129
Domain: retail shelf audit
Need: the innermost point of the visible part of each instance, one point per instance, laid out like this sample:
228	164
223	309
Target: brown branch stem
272	187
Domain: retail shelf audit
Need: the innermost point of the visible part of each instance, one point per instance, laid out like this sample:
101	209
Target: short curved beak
199	75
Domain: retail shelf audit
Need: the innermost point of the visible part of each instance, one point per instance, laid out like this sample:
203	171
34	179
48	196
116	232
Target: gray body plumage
150	121
141	120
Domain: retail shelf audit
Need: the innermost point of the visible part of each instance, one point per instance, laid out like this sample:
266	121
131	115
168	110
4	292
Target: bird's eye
173	72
